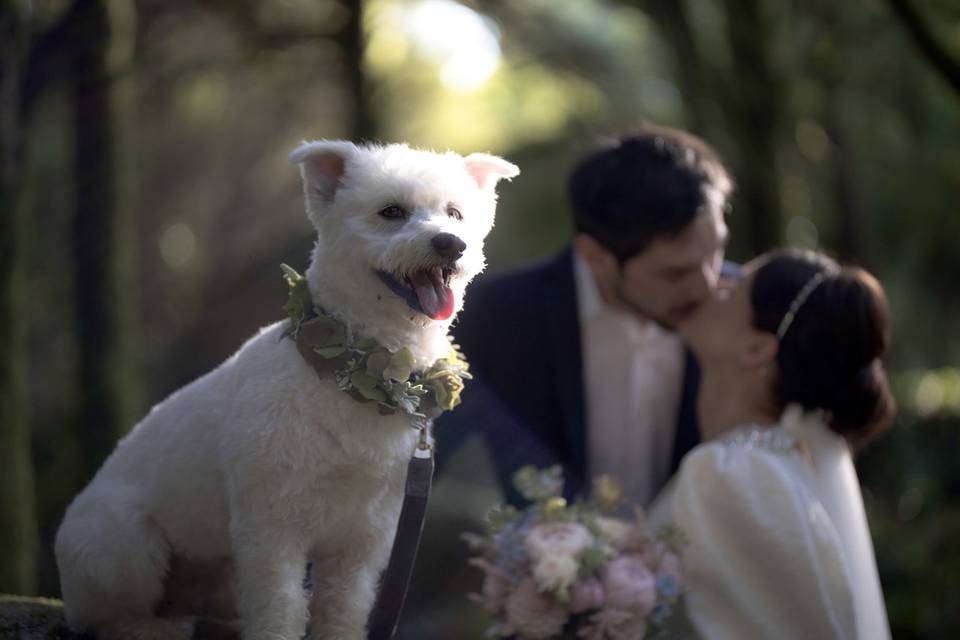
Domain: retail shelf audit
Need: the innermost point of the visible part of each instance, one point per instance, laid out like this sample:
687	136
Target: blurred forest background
146	203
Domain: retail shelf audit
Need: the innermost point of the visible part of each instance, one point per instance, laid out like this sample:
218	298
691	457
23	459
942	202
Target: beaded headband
801	298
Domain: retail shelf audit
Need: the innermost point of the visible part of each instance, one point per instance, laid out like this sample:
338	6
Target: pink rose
585	595
496	586
629	585
652	553
532	614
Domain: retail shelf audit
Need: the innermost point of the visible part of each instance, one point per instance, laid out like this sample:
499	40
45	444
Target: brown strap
396	579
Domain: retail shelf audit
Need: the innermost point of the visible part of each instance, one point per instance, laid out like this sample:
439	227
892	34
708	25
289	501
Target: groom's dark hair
646	184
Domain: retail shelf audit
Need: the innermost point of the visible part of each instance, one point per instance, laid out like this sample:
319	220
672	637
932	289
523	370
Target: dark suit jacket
520	331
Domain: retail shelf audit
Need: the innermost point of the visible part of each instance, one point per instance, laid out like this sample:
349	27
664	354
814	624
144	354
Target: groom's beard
640	310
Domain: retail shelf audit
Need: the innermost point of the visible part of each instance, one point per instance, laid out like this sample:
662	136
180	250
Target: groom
575	357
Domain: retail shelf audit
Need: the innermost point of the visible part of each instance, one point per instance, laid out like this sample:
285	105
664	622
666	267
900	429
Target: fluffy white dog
214	504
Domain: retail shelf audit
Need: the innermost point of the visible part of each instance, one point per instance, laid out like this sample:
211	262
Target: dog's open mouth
427	291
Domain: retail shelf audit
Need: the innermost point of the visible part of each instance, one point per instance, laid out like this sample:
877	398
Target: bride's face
721	330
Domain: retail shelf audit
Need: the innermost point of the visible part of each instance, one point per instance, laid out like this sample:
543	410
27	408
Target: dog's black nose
448	246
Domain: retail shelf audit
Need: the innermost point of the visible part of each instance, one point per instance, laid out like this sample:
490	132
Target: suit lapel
563	326
688	430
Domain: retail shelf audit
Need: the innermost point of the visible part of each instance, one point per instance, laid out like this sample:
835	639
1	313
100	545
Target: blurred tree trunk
753	114
18	518
927	43
750	112
829	65
100	36
350	38
353	43
850	216
674	24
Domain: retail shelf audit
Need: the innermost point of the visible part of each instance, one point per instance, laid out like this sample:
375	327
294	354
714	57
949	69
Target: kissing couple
727	400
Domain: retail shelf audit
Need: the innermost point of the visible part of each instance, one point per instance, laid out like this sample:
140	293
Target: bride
792	383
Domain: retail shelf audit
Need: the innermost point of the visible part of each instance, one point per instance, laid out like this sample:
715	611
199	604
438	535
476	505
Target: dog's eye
453	212
393	212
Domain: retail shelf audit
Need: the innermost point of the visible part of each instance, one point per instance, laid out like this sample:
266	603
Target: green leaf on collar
400	367
329	352
299	303
366	385
323	331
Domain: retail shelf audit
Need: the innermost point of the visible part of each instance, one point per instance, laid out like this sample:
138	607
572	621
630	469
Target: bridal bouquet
556	570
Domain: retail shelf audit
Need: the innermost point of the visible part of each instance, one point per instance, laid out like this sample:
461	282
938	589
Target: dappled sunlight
929	392
441	63
203	97
178	245
812	140
461	41
460	44
802	232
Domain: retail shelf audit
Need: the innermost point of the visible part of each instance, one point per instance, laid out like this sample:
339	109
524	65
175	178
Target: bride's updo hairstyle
833	327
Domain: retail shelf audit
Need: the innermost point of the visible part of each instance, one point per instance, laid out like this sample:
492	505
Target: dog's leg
269	571
113	560
344	589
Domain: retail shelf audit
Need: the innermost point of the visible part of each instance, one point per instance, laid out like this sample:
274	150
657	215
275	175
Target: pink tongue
435	299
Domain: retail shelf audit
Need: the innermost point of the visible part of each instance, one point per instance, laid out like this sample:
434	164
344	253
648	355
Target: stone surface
26	618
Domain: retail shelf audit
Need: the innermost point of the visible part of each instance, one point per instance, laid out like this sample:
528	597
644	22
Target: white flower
555	572
557	539
615	531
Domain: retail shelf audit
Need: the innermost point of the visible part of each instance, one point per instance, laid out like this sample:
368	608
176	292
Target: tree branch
926	42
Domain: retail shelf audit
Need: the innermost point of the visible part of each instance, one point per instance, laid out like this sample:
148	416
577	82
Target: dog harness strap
396	579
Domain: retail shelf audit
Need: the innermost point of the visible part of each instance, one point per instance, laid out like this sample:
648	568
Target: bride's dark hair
830	353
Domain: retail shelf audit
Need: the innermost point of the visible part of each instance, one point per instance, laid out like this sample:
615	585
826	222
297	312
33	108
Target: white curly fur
218	498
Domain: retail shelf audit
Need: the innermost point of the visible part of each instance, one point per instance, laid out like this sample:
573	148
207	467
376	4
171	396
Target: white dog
260	466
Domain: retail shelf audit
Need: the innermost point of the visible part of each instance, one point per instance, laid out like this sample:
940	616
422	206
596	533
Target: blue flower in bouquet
667	586
511	550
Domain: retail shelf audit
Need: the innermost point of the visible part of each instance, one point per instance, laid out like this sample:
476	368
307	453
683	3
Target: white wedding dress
779	544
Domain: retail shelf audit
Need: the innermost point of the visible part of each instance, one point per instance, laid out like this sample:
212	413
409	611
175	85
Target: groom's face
674	275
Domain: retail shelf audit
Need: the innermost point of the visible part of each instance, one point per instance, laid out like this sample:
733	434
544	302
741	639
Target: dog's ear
487	170
322	165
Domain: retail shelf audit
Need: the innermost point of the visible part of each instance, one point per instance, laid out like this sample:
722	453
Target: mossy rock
33	619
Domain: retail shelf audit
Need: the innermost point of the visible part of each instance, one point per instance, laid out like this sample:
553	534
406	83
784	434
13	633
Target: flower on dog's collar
365	369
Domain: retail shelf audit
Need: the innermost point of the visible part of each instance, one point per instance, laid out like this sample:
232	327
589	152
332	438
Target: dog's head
404	225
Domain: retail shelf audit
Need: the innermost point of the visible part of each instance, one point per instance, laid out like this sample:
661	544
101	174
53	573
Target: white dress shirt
632	378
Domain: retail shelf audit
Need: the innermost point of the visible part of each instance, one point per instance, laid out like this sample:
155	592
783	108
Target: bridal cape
779	543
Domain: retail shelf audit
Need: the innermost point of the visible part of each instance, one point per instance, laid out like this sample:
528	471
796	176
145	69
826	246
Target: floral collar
365	369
